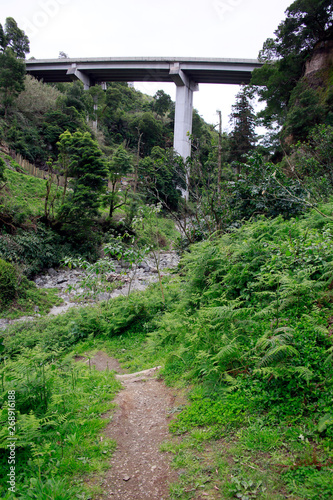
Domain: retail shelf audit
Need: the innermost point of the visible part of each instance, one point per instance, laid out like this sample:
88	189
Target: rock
112	277
125	265
126	477
103	296
137	278
62	280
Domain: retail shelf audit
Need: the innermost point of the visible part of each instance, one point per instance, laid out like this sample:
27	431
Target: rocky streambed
125	280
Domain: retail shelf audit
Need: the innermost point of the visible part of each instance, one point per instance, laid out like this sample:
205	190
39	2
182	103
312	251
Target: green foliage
88	171
311	161
226	412
33	251
36	99
11	79
251	324
18	296
310	483
9	282
58	405
13	38
163	102
306	111
247	326
307	24
119	166
95	279
2	171
161	177
242	118
264	189
14	45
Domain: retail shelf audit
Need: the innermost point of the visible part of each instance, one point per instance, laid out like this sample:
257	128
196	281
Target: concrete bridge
186	73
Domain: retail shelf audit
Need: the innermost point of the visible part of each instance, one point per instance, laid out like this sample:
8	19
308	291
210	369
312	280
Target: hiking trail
139	470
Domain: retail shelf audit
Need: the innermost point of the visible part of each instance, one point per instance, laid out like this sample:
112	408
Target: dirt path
139	471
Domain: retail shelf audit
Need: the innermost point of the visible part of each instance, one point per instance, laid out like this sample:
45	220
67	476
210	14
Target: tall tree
14	45
119	166
163	102
88	181
14	39
243	137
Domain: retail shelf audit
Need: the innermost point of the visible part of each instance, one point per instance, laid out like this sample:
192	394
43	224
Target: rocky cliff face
322	58
311	101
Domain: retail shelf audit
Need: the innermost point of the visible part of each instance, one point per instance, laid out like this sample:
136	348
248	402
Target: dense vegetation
244	325
248	323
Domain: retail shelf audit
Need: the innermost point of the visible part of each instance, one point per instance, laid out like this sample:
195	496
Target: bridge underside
185	73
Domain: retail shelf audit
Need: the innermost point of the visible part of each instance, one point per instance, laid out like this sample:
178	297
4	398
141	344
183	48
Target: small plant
94	280
132	255
146	222
245	489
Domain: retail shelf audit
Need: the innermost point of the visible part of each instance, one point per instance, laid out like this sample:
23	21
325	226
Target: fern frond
329	358
271	341
228	351
278	354
284	372
303	372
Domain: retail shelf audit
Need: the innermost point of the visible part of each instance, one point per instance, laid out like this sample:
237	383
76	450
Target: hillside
246	328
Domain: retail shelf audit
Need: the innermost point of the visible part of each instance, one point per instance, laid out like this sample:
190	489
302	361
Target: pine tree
243	137
88	181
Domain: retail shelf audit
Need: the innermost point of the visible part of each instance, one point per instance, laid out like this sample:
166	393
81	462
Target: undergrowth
247	328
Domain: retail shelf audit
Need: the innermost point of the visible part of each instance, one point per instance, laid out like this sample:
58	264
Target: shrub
32	251
8	282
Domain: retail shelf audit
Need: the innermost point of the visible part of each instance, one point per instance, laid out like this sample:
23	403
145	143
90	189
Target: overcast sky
139	28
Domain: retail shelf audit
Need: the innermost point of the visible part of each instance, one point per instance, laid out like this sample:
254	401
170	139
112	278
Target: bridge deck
227	71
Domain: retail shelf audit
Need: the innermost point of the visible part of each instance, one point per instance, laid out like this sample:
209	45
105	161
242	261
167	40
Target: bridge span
186	73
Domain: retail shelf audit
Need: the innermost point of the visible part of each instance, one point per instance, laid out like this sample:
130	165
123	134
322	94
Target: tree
243	137
88	177
119	166
307	23
14	44
151	129
163	102
162	176
13	39
12	73
36	99
64	158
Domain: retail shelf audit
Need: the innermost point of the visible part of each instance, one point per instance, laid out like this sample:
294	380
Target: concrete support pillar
75	73
183	121
183	114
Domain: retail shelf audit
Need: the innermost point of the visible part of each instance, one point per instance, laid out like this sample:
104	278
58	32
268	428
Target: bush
8	282
32	251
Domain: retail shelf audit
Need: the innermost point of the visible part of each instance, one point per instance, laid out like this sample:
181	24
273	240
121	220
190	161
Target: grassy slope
23	200
24	193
